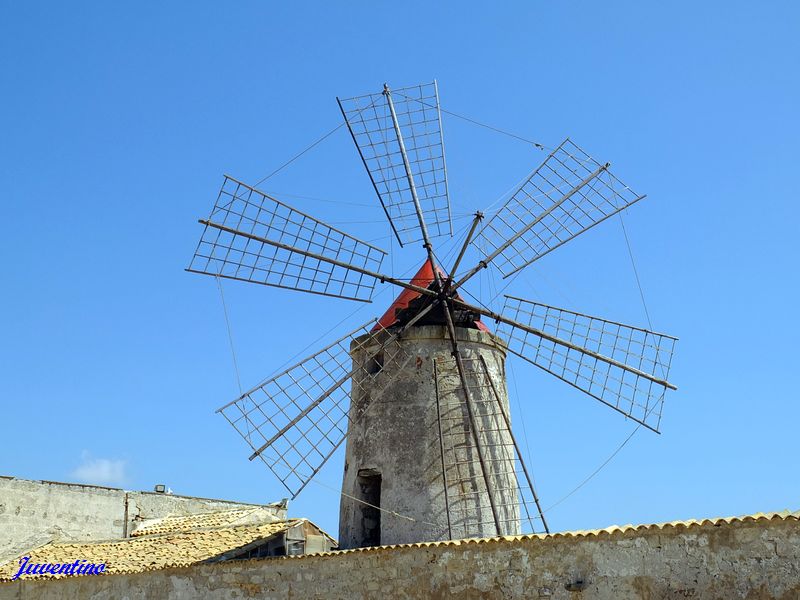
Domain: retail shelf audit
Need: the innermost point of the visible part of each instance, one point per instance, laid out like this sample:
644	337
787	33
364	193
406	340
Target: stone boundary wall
35	512
751	559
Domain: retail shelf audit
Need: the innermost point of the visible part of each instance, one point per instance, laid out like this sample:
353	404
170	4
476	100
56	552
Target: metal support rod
284	287
332	261
485	262
478	218
315	471
441	448
551	338
300	416
412	187
516	446
471	413
339	383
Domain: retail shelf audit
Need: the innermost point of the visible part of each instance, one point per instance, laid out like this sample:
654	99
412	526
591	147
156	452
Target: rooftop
175	542
220	518
178	542
91	486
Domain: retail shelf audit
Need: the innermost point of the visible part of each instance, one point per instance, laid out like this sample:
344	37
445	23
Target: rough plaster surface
398	437
33	513
743	560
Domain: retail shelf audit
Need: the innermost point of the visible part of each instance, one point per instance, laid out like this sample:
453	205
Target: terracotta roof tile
221	518
610	531
149	552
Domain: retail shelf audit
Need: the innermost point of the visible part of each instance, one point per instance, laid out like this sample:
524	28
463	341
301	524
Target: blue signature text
79	567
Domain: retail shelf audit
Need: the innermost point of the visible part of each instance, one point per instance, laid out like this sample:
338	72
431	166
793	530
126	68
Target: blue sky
117	125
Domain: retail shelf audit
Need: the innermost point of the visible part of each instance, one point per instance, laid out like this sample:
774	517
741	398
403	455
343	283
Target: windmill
420	393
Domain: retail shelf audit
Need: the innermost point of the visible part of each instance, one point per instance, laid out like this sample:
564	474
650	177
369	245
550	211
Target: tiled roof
220	518
161	551
149	552
608	531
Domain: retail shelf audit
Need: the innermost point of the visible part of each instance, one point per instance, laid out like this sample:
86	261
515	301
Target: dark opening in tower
369	487
375	363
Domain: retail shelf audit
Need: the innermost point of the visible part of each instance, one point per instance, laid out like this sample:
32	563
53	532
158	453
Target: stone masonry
34	512
754	558
394	451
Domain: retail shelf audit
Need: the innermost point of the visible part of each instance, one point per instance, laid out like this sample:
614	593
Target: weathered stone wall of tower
394	451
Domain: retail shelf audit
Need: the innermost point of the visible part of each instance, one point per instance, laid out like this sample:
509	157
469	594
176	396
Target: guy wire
230	333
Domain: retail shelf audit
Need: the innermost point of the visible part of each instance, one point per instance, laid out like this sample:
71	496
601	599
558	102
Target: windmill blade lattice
568	194
376	136
296	420
254	237
631	375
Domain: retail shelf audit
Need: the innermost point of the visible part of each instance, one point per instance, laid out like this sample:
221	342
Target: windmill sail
254	237
567	195
622	366
365	387
296	420
381	141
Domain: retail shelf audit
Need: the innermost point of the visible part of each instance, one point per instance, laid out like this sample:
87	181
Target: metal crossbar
627	391
568	194
376	137
467	495
254	237
296	420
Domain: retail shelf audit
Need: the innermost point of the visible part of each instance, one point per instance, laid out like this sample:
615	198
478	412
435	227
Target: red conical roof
424	278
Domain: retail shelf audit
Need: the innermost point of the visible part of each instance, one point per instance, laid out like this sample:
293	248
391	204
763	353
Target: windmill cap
424	278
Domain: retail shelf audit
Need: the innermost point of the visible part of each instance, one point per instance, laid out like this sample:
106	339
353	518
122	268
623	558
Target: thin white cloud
100	471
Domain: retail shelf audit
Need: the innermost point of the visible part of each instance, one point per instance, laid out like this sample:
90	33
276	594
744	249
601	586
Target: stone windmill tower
413	450
420	394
